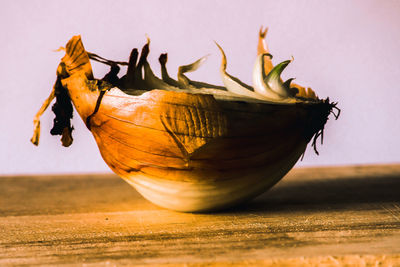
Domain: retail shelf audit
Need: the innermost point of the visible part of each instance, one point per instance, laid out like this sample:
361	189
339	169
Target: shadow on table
81	194
321	194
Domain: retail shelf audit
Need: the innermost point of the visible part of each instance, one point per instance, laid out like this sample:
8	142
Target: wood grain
332	216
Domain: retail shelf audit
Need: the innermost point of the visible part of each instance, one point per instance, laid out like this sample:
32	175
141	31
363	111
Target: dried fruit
188	145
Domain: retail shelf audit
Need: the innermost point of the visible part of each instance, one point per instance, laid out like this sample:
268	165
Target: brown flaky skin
189	137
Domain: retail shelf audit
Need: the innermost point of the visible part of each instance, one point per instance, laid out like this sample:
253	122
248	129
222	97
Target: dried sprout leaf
66	137
236	86
36	120
76	59
112	76
182	79
151	81
63	110
61	48
231	83
262	48
311	94
164	72
302	91
103	60
185	82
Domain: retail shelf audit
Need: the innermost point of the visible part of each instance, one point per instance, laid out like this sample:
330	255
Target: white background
347	50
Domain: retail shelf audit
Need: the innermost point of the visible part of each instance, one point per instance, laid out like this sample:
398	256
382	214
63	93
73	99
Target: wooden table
332	216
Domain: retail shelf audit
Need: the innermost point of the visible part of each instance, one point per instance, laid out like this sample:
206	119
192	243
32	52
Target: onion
186	145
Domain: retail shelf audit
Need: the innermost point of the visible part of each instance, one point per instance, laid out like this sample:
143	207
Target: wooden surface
331	216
